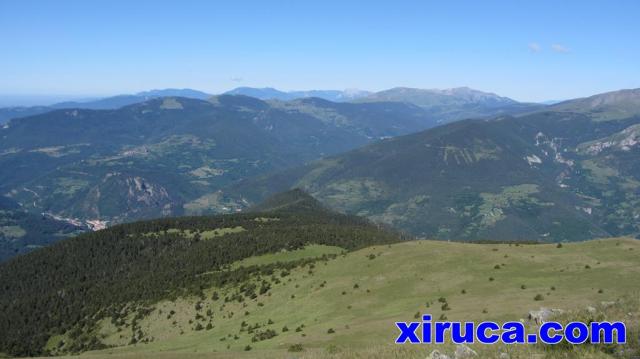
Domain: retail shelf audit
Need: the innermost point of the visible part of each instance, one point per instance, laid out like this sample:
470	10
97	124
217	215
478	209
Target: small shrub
264	335
332	349
330	331
538	297
296	348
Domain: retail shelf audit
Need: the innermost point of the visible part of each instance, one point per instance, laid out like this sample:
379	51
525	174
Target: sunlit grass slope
350	303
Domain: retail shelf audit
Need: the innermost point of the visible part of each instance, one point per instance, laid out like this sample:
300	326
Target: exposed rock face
624	141
145	192
119	196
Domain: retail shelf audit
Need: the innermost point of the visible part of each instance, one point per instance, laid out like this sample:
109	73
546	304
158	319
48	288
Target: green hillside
71	286
361	294
292	276
549	176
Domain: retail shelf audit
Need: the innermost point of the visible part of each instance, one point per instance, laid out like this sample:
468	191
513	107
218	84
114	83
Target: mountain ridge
106	103
613	105
455	103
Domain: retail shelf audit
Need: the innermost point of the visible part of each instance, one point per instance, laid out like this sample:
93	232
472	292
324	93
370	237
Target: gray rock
607	304
544	314
437	355
464	352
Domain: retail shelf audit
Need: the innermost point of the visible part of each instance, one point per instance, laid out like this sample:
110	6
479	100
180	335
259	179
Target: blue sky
533	51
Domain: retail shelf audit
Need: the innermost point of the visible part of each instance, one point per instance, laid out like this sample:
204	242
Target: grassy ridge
360	295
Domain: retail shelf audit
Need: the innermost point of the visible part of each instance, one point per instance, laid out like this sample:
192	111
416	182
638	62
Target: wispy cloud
237	79
560	48
534	47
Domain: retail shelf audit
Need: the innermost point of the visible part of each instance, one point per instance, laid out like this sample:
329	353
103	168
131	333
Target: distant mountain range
171	156
571	172
443	105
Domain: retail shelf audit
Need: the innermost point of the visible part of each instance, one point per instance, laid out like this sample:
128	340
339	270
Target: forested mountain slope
69	287
547	176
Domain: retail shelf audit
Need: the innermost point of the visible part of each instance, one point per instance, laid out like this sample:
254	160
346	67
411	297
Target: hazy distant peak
615	97
172	92
440	97
606	106
269	93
